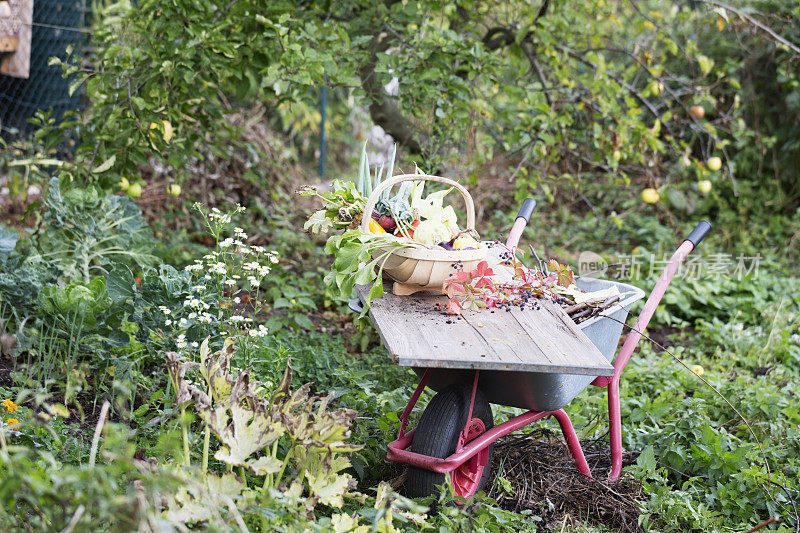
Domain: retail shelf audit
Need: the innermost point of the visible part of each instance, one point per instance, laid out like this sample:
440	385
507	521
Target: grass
706	474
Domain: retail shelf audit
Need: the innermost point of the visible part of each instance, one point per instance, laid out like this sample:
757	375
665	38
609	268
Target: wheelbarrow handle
650	306
523	217
527	209
697	234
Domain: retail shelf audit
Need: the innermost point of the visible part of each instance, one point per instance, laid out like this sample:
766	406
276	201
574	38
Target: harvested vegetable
375	227
387	223
408	219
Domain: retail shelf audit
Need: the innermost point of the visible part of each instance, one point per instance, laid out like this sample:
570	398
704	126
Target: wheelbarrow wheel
437	436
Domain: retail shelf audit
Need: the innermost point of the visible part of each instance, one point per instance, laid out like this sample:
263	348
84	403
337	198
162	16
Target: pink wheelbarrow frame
472	451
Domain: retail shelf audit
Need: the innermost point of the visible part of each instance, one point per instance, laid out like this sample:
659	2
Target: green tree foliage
557	91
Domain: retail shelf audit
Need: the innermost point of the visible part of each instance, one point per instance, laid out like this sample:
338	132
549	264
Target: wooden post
15	38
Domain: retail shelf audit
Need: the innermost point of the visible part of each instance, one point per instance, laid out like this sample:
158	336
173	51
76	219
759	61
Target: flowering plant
221	296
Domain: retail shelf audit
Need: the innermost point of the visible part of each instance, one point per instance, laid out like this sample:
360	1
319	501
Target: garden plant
177	350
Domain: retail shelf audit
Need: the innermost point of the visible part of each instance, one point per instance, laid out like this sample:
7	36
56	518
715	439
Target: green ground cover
162	286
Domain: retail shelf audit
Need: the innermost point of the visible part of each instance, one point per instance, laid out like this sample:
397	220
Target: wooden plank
562	346
18	63
416	333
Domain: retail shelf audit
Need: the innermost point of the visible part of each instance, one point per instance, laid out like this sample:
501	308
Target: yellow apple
697	111
655	88
697	369
714	163
174	189
135	190
704	186
650	196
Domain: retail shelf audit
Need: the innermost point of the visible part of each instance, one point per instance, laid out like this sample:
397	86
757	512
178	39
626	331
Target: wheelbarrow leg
572	441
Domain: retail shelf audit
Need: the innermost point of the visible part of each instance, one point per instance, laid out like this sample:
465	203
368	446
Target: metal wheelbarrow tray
538	360
547	391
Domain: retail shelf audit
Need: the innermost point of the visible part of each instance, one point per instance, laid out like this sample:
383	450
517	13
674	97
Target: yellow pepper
374	227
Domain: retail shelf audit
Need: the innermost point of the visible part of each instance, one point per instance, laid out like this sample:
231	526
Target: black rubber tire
437	435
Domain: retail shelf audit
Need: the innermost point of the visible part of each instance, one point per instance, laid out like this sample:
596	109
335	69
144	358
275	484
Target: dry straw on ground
544	479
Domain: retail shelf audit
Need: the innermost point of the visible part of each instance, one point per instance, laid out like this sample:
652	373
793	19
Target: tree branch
383	108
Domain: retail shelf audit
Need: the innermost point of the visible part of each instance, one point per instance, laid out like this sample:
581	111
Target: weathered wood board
417	333
15	38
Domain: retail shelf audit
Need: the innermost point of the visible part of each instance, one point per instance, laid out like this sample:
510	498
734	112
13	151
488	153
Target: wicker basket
418	268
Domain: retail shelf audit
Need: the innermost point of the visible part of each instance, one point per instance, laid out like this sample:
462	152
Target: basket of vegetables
434	246
407	237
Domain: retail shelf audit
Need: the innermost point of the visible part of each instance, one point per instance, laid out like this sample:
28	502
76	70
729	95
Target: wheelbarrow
456	432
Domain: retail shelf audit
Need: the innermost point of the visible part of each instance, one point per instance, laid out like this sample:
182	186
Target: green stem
185	434
206	440
268	482
283	466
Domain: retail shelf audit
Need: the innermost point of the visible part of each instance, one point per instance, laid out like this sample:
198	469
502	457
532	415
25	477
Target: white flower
168	322
227	242
192	315
252	280
217	268
237	300
183	322
273	259
260	332
199	288
164	309
237	318
195	344
230	282
193	302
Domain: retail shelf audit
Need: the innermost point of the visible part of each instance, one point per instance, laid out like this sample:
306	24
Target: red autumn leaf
484	282
483	270
454	307
461	277
451	288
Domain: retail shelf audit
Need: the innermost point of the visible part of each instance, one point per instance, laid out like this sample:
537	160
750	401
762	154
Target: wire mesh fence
56	25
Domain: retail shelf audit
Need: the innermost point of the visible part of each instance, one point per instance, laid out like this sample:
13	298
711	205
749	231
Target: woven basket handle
376	193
